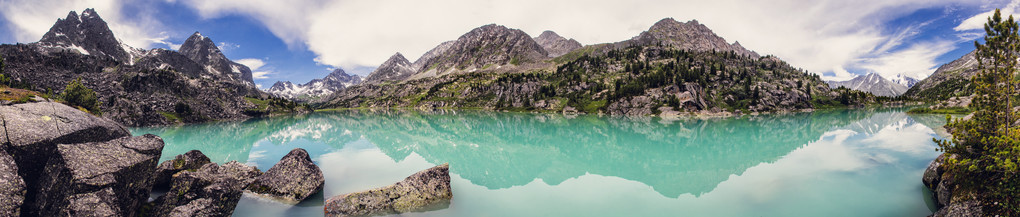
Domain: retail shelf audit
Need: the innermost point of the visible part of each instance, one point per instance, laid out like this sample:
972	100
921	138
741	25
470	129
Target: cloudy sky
299	40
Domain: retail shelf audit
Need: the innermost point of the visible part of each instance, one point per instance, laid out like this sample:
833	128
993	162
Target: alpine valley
673	68
675	119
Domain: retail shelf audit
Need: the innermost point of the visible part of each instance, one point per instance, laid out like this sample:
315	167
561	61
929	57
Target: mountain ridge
137	87
872	83
672	69
336	80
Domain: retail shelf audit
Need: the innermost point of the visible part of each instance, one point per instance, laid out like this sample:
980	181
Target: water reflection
507	164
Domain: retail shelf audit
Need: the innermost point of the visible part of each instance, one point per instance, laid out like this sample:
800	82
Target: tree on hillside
4	80
987	146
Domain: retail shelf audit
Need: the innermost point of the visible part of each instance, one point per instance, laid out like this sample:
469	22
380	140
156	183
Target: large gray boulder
97	178
31	132
291	180
933	172
212	190
961	207
416	192
192	160
12	187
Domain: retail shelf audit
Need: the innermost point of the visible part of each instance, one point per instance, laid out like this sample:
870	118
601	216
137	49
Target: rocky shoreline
948	199
60	161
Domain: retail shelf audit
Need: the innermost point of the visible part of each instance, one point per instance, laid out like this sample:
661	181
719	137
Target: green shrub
987	146
77	95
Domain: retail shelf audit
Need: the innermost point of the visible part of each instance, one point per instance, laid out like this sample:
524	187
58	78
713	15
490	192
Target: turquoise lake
824	163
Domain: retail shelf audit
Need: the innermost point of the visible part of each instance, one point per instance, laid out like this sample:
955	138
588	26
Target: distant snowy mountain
872	83
335	81
904	80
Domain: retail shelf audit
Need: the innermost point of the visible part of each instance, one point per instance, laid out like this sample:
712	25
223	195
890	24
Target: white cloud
977	22
916	61
30	19
257	72
820	36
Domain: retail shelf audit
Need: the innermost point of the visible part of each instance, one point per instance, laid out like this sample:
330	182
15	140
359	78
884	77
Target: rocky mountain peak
396	68
87	34
342	76
204	51
280	86
691	35
487	45
555	44
201	49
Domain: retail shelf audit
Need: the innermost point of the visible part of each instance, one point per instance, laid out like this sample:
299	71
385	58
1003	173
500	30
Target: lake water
826	163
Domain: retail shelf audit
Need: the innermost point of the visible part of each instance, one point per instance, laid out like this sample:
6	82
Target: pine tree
987	146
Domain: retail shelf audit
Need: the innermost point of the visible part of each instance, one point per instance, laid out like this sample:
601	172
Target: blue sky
299	40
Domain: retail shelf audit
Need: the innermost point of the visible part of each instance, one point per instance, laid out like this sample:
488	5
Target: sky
300	40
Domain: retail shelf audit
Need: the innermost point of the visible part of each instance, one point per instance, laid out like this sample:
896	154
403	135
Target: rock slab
31	132
192	160
98	178
12	187
212	190
291	180
416	192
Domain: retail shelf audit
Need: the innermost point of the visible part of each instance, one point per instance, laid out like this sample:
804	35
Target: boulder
934	171
961	208
40	127
416	192
12	187
291	180
211	190
98	177
243	173
192	160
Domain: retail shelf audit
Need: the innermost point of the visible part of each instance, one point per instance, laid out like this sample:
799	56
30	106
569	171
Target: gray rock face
88	34
690	36
487	45
959	70
31	132
12	187
397	68
555	44
116	174
963	208
872	83
933	173
418	191
192	160
211	190
291	180
204	51
139	87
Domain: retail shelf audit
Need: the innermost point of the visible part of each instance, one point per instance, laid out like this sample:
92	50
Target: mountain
87	34
395	69
686	36
555	44
951	79
336	80
204	51
672	69
490	47
137	87
904	80
872	83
